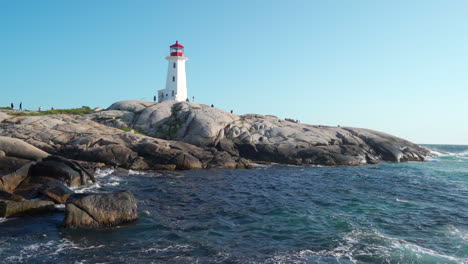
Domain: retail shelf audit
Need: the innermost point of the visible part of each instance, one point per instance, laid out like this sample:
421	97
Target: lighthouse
176	82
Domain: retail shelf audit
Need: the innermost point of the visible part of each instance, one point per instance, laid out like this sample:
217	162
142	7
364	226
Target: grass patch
5	108
128	129
73	111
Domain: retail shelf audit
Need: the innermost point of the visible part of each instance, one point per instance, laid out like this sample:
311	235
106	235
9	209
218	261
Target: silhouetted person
154	98
193	99
21	106
232	111
12	106
212	105
187	100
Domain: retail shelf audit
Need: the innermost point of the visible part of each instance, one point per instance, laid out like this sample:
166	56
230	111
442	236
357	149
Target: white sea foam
456	232
261	166
178	248
402	201
87	189
133	172
384	247
438	153
52	247
3	219
103	172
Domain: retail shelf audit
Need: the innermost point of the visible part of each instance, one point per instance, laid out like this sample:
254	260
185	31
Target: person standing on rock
193	99
21	106
12	106
154	98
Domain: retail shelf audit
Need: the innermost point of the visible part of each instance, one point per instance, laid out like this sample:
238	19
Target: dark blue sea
414	212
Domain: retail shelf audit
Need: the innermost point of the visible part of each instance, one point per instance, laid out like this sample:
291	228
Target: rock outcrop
184	135
15	153
17	208
37	186
100	210
260	137
82	138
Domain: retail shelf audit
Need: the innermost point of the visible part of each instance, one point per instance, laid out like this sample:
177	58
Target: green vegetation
128	129
170	128
5	108
73	111
175	109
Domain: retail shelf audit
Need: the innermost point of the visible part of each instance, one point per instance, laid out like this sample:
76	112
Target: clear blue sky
395	66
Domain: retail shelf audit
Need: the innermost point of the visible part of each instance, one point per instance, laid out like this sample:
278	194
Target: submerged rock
100	210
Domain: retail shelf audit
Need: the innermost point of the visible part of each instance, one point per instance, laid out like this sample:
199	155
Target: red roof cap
177	45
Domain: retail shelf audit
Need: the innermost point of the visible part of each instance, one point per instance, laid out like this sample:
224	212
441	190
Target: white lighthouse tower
176	82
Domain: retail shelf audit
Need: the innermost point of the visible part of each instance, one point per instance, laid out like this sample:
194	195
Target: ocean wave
172	248
364	244
3	219
87	189
133	172
437	155
103	172
51	248
261	166
455	232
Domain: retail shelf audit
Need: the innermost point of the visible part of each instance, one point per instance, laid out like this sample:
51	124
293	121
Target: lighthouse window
173	65
173	78
173	93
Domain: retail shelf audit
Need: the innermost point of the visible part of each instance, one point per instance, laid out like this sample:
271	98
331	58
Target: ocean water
386	213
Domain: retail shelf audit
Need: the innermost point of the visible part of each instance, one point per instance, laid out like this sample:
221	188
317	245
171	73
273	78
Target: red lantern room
177	49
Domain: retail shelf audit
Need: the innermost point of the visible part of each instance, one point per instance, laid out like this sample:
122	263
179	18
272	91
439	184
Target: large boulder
100	210
57	191
8	164
4	195
10	181
69	172
16	148
193	123
13	208
130	105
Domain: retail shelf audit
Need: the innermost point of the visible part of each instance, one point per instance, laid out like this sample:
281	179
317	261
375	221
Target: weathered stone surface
202	137
56	170
10	164
57	191
16	148
10	181
268	138
81	138
193	123
4	195
100	210
131	105
12	208
31	187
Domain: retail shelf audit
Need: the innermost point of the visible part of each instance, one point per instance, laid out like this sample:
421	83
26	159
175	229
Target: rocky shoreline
42	156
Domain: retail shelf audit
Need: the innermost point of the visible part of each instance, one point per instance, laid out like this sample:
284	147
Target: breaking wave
50	248
369	246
